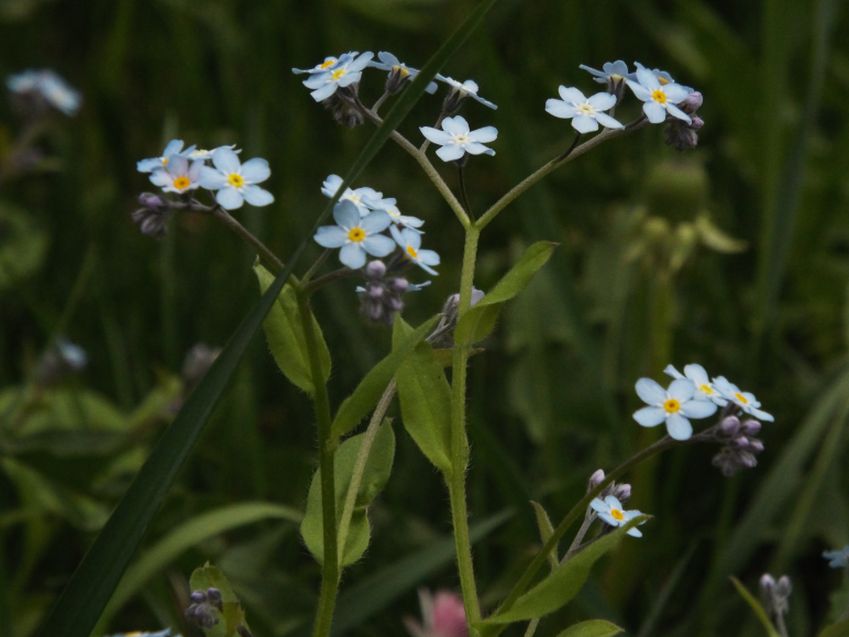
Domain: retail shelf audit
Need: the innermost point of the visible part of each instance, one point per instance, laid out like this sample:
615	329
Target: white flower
410	242
704	388
743	399
610	510
178	175
586	113
235	181
610	72
47	85
456	139
348	70
356	235
174	147
469	88
390	206
659	98
673	406
364	198
389	62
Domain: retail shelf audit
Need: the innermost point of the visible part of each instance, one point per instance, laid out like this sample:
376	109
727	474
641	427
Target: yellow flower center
327	63
181	183
338	74
412	252
706	389
671	406
586	109
235	180
164	161
739	396
662	80
659	96
401	70
617	515
356	235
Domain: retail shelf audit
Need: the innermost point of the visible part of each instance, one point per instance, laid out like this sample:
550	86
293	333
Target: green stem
326	448
574	513
360	463
459	441
573	153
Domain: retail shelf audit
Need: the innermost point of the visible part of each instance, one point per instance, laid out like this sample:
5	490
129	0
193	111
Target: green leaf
375	475
840	629
78	607
546	530
425	399
196	530
559	587
592	628
479	321
756	607
356	406
233	616
285	335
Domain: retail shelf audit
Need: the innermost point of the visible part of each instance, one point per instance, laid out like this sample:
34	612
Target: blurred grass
551	397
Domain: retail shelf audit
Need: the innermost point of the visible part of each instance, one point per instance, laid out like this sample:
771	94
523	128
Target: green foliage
592	628
425	399
757	608
480	320
375	475
284	334
546	530
232	615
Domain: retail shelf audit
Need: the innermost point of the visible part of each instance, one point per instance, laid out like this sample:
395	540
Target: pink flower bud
449	616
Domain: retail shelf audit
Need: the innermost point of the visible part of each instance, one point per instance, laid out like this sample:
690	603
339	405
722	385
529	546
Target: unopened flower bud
730	425
692	102
375	269
595	479
397	79
783	586
214	597
375	291
197	597
741	441
756	446
344	106
751	426
151	200
767	583
399	284
622	492
696	122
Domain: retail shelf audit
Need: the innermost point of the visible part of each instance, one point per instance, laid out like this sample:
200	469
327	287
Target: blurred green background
735	255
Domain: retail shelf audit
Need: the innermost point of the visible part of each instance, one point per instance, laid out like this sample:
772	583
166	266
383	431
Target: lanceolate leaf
592	628
425	399
479	321
285	335
376	474
559	587
356	406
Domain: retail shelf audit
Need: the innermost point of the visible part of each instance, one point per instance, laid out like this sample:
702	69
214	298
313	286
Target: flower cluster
44	88
205	608
740	445
691	395
609	505
182	170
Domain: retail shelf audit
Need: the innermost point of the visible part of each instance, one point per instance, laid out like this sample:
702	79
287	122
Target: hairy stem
326	448
459	441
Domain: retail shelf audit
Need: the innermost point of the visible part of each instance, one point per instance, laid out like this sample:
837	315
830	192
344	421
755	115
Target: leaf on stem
357	406
479	321
375	476
425	399
592	628
546	530
285	336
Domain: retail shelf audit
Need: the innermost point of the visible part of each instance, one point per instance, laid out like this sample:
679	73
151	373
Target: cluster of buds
684	135
205	609
775	595
619	490
381	297
152	217
740	444
345	106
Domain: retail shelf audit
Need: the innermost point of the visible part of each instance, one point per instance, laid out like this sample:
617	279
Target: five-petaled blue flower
610	72
410	242
235	181
347	70
364	198
179	175
456	139
329	63
586	113
700	378
390	62
610	510
659	98
673	406
356	235
172	148
743	399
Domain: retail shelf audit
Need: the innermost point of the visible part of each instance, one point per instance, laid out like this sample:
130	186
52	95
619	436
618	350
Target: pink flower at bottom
443	616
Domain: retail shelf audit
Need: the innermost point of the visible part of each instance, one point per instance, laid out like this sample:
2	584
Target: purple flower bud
741	441
747	460
151	200
622	492
197	597
595	479
375	269
214	596
751	426
399	284
374	311
767	582
696	122
756	446
395	303
730	426
375	291
692	102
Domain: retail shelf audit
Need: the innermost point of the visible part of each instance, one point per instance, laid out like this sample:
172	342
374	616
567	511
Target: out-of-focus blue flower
356	235
390	206
743	399
610	72
700	378
673	406
586	113
410	243
658	98
469	88
204	154
455	138
838	558
611	511
172	148
47	85
235	181
364	198
389	62
178	175
348	70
